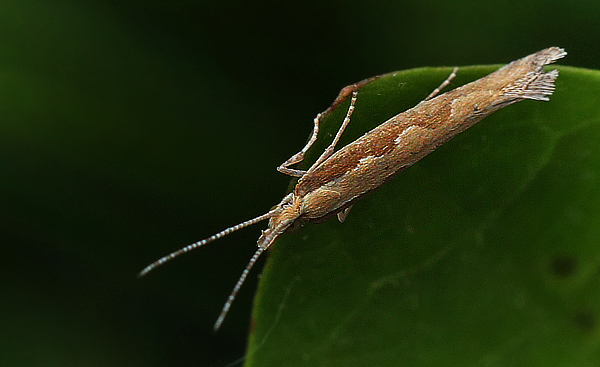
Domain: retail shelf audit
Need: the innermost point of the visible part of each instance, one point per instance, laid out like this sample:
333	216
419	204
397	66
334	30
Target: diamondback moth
337	180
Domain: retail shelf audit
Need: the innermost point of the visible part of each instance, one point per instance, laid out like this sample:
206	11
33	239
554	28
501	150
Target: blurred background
131	128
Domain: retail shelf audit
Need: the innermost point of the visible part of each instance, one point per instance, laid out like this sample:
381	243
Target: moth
338	179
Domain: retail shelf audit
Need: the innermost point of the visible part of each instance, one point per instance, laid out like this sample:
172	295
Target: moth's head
283	216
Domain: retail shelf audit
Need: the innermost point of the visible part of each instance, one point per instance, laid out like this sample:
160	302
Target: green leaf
485	253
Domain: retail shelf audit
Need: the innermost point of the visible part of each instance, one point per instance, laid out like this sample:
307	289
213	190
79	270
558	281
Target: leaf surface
484	253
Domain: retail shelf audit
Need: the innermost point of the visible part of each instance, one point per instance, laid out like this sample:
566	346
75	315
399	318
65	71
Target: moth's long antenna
264	242
188	248
237	287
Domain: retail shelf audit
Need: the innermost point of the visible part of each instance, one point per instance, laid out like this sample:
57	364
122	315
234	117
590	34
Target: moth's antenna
264	242
237	287
188	248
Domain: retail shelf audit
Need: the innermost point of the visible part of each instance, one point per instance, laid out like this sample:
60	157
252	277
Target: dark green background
131	128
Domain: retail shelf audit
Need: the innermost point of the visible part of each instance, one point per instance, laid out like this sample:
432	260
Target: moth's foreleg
347	92
329	150
298	157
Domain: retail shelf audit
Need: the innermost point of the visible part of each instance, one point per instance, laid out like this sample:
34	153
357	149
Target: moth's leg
298	157
347	91
329	150
443	85
344	214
